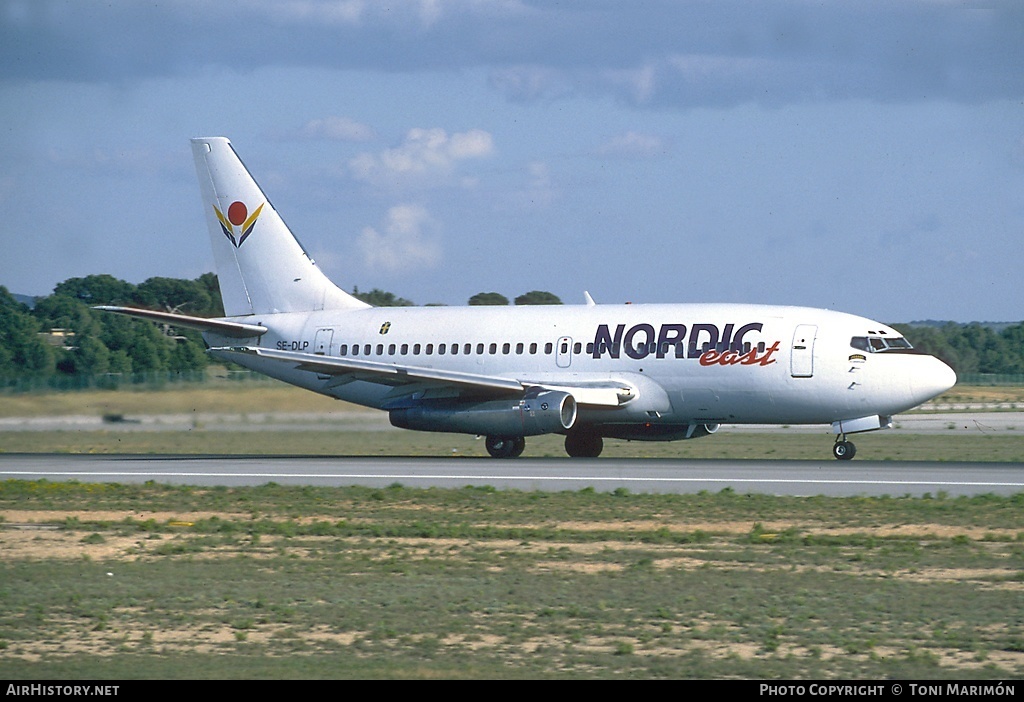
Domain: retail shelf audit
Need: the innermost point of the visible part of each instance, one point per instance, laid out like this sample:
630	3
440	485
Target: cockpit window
878	344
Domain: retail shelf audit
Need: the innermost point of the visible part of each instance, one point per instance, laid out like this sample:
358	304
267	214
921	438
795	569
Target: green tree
173	294
538	297
22	350
211	284
186	356
91	356
97	290
1014	338
488	298
381	298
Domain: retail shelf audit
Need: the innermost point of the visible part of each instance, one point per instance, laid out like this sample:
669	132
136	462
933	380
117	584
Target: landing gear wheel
579	445
844	450
505	446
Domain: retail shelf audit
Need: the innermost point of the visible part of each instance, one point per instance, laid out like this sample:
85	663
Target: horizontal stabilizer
220	326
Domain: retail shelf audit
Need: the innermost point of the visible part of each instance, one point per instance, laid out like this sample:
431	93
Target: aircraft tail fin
261	266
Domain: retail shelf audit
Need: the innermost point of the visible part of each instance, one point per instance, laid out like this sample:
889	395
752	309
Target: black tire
844	450
583	445
505	446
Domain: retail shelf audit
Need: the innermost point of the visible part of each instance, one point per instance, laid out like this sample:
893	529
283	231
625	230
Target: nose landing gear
843	450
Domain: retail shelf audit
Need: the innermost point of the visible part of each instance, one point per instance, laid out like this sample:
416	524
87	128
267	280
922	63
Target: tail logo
238	216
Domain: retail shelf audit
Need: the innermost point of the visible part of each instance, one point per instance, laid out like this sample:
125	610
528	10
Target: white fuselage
686	363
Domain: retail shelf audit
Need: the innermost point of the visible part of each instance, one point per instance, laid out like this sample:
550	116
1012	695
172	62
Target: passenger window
405	349
533	348
519	348
391	349
415	349
493	349
480	349
380	349
430	349
343	350
366	349
548	348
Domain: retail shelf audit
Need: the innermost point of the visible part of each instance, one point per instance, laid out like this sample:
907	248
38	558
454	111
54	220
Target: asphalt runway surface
826	477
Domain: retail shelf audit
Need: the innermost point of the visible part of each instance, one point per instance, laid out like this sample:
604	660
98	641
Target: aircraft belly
358	392
724	405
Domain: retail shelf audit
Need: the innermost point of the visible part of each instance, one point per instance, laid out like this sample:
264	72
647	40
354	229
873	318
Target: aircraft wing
220	326
414	378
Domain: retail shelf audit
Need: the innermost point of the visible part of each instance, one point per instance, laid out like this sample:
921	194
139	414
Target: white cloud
347	12
640	82
401	243
337	129
532	82
424	153
633	145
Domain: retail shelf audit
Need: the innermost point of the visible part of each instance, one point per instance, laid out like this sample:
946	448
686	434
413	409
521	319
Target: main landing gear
580	444
843	450
577	445
505	446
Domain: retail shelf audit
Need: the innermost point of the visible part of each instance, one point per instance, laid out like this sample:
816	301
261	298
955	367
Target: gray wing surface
604	393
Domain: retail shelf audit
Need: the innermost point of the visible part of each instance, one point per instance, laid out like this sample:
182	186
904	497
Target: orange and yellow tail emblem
238	216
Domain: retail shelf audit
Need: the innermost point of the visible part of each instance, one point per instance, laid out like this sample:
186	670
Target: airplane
642	372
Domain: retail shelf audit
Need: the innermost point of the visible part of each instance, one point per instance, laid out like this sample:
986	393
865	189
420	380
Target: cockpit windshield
878	344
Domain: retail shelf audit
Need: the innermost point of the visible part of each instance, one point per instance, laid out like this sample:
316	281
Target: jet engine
700	430
538	412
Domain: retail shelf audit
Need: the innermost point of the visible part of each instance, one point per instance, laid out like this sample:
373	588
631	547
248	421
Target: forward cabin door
563	352
802	358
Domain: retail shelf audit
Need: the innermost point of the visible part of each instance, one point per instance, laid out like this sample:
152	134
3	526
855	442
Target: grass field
375	438
108	581
775	446
155	582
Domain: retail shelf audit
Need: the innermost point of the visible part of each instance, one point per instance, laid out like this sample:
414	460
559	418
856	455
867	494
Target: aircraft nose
932	379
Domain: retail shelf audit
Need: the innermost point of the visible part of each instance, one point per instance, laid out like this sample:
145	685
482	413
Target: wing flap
597	394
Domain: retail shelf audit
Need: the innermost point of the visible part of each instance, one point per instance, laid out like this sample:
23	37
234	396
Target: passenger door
802	356
322	342
563	352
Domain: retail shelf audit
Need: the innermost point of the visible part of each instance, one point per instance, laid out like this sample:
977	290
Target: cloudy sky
862	156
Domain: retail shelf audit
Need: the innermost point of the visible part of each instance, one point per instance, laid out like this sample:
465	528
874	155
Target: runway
826	477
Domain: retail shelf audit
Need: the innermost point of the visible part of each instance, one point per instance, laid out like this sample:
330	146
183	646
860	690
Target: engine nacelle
538	412
700	430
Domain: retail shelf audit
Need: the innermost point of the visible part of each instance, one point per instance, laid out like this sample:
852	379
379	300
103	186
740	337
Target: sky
854	155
